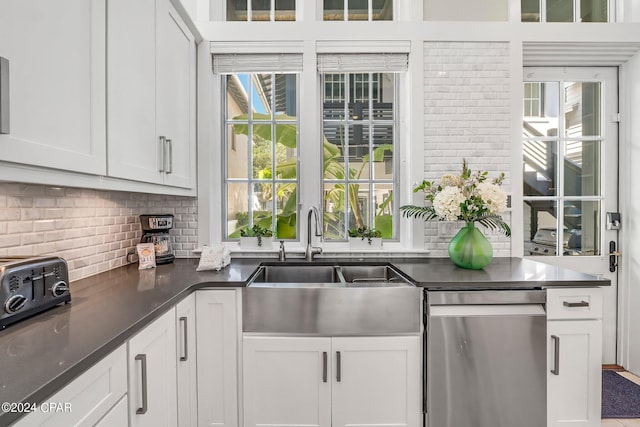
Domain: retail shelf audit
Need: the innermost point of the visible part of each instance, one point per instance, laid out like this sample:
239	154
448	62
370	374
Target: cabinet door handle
576	304
161	160
324	366
338	367
185	347
556	355
169	157
143	365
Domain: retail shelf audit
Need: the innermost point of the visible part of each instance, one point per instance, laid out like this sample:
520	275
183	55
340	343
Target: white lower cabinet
217	364
325	381
95	398
186	357
152	374
574	344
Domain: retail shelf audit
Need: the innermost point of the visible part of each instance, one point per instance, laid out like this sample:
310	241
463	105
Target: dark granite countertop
40	355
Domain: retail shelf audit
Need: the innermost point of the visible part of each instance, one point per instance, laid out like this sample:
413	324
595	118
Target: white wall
629	298
91	229
467	114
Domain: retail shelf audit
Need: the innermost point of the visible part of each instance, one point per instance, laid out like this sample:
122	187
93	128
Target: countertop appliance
544	242
155	229
486	358
30	285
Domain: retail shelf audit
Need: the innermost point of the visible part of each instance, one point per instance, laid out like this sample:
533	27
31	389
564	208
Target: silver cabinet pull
556	355
338	367
324	366
576	304
185	348
169	157
143	364
161	149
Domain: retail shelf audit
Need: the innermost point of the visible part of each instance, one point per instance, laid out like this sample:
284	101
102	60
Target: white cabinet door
287	381
134	151
175	95
216	342
152	374
151	93
186	356
376	381
56	54
363	381
574	377
88	398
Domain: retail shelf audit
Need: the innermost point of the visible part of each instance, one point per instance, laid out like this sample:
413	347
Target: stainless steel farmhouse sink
305	298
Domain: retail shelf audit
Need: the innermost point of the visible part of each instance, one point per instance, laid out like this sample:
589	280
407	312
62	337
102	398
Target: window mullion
347	188
250	149
371	146
560	166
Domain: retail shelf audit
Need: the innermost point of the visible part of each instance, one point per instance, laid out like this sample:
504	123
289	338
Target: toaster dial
14	303
59	288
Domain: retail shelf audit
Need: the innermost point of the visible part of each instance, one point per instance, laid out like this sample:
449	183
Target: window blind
363	62
257	63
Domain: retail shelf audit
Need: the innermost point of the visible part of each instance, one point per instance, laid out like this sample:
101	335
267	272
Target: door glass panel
559	10
582	168
539	168
541	109
582	114
594	10
530	10
582	227
540	226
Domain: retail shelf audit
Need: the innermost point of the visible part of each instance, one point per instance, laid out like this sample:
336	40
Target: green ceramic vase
470	248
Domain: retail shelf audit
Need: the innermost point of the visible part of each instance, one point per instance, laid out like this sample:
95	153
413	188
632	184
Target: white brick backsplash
92	229
466	115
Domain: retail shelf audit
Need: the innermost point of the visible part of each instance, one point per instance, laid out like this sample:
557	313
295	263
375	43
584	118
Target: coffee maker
155	229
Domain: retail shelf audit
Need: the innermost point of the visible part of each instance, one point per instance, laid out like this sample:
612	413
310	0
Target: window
261	172
359	125
358	10
261	10
565	10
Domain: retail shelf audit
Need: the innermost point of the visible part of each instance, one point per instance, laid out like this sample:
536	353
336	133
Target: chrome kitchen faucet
311	250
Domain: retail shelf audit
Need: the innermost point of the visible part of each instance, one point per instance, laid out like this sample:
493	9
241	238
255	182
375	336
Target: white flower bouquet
469	197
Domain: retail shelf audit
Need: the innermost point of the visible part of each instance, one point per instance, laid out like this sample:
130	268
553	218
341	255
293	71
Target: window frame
577	18
272	12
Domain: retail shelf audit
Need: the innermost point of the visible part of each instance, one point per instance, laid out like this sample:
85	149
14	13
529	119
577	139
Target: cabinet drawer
574	303
87	398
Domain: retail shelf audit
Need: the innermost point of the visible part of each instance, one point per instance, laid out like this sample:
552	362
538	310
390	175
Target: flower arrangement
469	197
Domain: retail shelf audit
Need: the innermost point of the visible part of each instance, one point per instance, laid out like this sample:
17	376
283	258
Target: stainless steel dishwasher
486	359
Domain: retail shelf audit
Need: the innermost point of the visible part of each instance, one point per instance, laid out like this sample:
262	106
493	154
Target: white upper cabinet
56	54
150	93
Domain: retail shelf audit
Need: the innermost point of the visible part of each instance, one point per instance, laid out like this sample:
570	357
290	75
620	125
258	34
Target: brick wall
467	115
92	229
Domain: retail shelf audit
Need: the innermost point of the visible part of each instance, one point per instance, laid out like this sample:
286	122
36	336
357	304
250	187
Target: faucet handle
282	256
